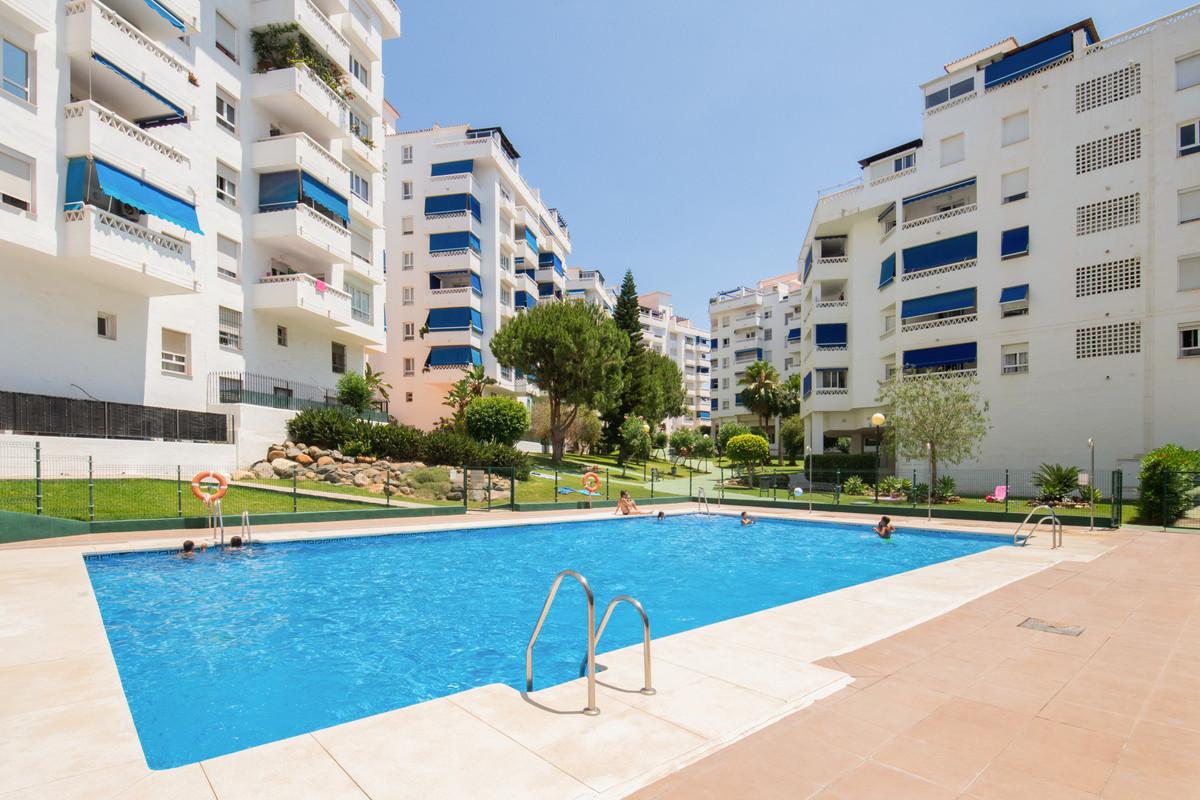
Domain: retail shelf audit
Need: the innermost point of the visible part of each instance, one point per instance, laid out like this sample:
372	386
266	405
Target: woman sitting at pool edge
885	528
626	506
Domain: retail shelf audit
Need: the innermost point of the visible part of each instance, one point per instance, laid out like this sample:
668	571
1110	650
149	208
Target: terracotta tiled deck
971	705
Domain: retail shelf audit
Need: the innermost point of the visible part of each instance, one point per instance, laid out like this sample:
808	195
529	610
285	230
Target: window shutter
1016	128
16	178
1189	205
1187	72
954	149
1014	184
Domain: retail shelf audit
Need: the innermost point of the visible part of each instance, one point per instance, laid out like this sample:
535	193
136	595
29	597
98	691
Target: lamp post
1092	485
877	421
929	486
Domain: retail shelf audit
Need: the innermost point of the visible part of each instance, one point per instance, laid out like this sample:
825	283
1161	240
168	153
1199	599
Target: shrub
704	447
431	483
635	440
918	493
727	432
945	488
354	392
660	440
683	440
395	442
855	485
860	464
749	450
327	428
791	436
505	457
450	448
355	447
1166	489
497	419
890	485
1055	481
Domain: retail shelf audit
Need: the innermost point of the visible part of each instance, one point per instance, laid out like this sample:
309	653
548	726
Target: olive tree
936	417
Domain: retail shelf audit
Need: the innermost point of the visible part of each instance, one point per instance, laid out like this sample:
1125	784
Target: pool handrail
590	709
216	520
648	688
246	526
701	500
1055	528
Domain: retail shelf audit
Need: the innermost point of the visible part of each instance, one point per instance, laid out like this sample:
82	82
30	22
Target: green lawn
332	488
574	461
541	490
147	498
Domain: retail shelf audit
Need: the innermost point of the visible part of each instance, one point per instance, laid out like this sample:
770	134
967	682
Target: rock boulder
283	467
263	470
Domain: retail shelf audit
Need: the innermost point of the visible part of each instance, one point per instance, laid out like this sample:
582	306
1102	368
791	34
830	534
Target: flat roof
891	151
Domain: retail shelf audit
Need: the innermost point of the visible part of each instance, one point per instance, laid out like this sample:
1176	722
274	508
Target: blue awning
938	303
525	299
887	271
476	284
547	260
452	167
808	384
940	253
454	319
943	356
130	190
1014	242
545	289
705	415
325	197
531	239
166	14
452	204
1022	62
807	263
794	334
940	190
831	334
737	399
453	357
177	114
891	207
453	240
713	403
1014	294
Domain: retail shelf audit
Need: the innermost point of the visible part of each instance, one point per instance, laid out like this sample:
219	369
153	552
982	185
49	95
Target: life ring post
198	488
591	482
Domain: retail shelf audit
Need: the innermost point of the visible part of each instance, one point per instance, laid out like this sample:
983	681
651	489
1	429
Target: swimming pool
232	649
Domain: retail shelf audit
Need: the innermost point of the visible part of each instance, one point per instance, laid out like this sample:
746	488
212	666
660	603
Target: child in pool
747	519
885	528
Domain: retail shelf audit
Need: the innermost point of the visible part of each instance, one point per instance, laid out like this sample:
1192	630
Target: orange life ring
591	482
204	497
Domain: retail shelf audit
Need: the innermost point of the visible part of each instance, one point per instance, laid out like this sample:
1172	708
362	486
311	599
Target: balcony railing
45	415
132	35
250	388
941	215
938	323
925	273
133	134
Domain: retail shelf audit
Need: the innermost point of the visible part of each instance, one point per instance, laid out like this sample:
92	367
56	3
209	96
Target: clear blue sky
686	140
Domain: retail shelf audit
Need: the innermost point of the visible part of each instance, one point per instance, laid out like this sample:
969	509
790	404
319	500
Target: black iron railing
46	415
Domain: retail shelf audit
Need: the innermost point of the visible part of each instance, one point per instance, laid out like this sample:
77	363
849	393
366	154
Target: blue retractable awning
938	303
940	190
1014	242
177	114
807	263
531	239
793	334
166	14
454	319
322	195
808	384
940	253
887	271
453	357
831	334
940	356
452	204
1023	62
452	167
1014	294
122	186
453	240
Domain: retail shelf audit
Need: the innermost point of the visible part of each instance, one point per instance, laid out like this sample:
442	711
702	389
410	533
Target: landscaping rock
263	470
293	452
275	453
304	459
365	459
325	469
300	446
241	475
309	475
406	490
454	494
336	455
361	480
315	452
324	461
283	467
376	488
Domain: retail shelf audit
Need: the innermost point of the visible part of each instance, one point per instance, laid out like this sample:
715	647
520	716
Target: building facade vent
1115	149
1125	82
1117	339
1111	276
1108	214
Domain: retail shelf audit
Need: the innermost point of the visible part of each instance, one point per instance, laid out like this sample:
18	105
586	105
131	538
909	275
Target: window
1014	358
901	163
106	325
787	363
406	260
724	383
408	397
1189	273
1014	243
948	93
229	328
230	389
724	322
1014	129
361	246
406	226
1189	138
1189	205
16	181
281	336
954	149
360	302
360	71
226	111
228	256
833	378
1187	71
227	181
1014	186
410	367
338	357
889	323
409	331
406	154
767	335
360	187
359	126
16	70
724	405
767	314
227	37
406	295
406	192
175	352
1189	341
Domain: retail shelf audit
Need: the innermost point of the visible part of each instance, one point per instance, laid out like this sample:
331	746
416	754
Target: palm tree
477	381
376	382
470	386
761	394
791	395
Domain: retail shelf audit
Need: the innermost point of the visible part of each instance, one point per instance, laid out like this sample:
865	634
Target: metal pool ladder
1055	528
702	502
592	636
246	527
216	520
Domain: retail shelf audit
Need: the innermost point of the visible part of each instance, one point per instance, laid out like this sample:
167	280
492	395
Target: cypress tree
626	315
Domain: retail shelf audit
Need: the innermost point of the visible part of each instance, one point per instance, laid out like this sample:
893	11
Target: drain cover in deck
1050	627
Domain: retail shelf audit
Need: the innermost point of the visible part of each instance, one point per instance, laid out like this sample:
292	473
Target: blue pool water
232	649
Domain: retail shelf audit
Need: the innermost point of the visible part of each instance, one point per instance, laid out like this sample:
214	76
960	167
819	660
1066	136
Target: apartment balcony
358	30
364	147
452	221
363	331
311	20
550	275
454	260
181	19
115	63
116	252
92	130
506	206
455	297
744	322
837	268
828	399
831	311
297	99
826	357
462	337
936	205
365	211
304	300
303	232
298	151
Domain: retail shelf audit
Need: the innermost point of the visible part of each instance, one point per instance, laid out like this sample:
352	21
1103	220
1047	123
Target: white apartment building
687	345
589	286
748	324
470	244
191	220
1043	233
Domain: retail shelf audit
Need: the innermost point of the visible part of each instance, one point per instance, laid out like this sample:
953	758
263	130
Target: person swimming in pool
885	528
235	542
747	519
189	549
661	516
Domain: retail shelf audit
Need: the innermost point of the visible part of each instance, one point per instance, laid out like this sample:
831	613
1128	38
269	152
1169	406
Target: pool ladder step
593	636
1055	528
702	502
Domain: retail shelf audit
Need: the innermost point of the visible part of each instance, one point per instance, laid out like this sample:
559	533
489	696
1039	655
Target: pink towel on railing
321	286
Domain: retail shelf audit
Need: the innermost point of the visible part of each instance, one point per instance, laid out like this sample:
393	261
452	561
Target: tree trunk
557	430
932	468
